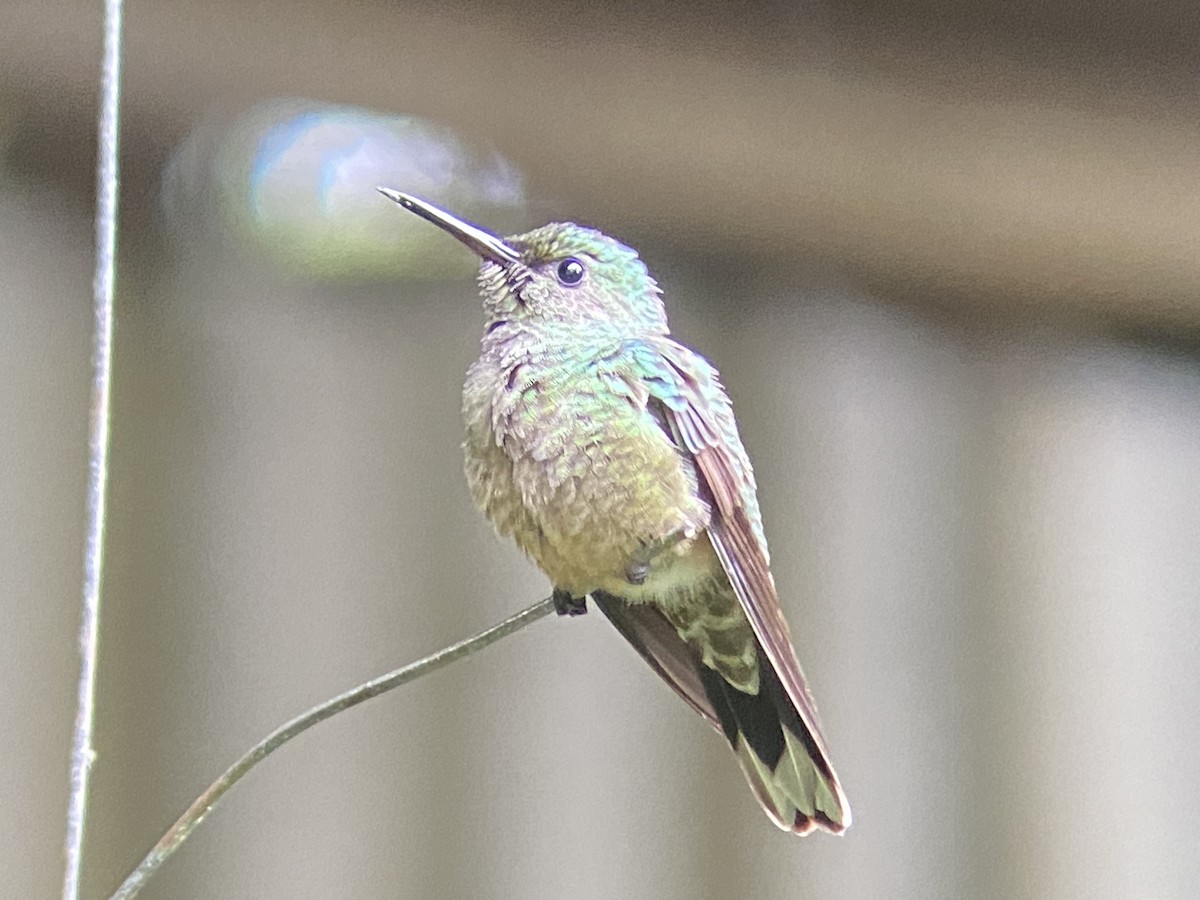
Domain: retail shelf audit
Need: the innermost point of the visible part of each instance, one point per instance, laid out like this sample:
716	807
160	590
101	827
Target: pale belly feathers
585	482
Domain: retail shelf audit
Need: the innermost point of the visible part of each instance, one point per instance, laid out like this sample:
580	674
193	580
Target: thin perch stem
203	804
103	287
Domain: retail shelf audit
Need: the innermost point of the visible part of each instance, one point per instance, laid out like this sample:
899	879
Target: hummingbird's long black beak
486	244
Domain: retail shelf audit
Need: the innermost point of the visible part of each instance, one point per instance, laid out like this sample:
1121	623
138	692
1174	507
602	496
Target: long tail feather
778	755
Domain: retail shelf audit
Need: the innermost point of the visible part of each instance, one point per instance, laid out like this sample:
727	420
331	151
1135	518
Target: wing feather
701	419
659	643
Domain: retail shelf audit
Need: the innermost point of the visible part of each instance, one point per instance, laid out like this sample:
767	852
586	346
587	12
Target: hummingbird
610	454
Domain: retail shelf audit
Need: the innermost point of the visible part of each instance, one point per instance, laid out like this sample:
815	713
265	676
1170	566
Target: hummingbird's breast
584	480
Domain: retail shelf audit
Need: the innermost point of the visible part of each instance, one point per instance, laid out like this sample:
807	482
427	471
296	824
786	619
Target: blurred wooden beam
1052	191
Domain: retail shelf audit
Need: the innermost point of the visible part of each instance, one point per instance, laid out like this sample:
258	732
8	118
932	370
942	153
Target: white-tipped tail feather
794	794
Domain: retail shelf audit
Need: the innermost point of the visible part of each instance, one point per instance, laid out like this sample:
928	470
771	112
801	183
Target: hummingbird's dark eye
570	272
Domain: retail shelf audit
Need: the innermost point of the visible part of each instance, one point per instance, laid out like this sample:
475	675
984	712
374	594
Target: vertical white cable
103	283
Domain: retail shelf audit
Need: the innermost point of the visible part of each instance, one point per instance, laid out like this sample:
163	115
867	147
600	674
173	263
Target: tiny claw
566	605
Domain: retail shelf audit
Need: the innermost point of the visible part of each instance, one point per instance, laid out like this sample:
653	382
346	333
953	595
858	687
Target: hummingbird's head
559	274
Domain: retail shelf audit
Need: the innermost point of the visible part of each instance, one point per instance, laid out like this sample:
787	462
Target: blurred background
945	255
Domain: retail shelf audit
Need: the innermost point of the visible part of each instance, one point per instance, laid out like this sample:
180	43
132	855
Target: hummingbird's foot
566	605
637	572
